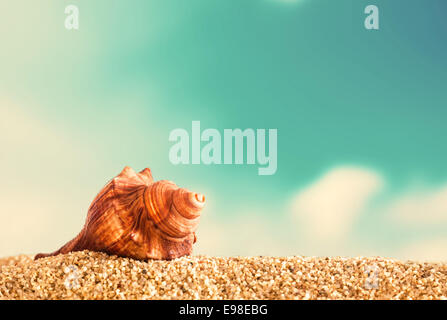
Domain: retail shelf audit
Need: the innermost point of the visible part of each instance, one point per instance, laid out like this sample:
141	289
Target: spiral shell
135	217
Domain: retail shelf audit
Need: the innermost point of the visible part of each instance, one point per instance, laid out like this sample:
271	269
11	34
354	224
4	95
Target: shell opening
188	204
200	197
196	201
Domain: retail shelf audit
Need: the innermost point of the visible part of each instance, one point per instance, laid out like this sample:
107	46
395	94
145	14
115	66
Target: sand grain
91	275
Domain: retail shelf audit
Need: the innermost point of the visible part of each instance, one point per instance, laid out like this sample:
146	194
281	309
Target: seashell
135	217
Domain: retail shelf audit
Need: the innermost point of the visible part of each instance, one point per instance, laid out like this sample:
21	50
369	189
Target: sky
360	116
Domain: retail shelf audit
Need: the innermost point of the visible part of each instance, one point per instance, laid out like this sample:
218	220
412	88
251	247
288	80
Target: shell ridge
133	216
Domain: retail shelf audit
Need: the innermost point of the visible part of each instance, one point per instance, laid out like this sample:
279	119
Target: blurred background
361	119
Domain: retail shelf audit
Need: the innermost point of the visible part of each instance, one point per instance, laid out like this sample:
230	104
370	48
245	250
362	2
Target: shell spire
134	216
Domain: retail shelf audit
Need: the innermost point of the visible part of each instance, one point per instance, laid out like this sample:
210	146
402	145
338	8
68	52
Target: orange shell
135	217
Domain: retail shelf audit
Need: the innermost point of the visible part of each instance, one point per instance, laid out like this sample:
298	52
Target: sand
92	275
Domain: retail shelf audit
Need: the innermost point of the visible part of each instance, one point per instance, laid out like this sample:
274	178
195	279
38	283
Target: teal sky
78	106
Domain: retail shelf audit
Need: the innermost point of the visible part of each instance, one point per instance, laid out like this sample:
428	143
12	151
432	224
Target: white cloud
419	207
329	206
327	209
325	213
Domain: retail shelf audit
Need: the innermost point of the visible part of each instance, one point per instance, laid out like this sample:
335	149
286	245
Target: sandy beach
92	275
